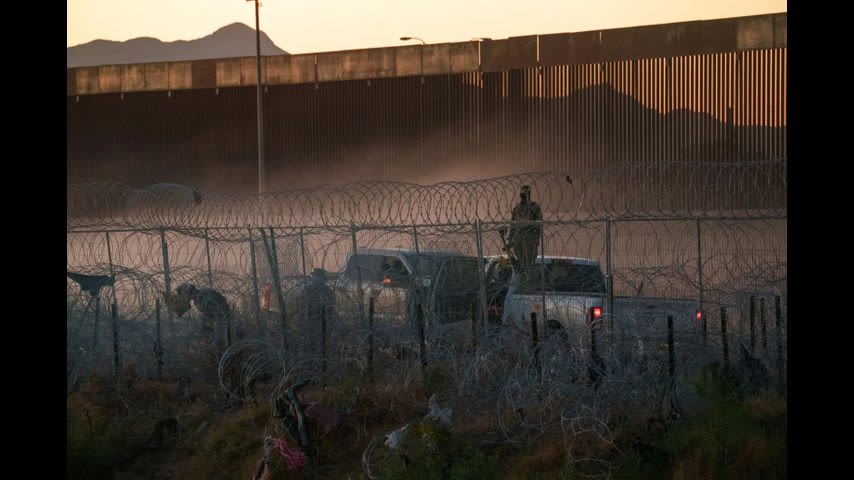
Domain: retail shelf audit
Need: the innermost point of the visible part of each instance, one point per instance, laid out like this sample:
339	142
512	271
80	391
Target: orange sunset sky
315	26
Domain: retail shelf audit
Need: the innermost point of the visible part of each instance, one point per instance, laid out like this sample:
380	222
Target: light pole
479	40
262	181
420	105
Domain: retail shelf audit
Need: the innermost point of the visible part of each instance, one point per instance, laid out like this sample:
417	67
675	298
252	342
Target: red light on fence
386	281
699	315
596	312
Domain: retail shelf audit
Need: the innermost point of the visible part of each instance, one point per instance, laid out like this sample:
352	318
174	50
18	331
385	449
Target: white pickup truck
575	294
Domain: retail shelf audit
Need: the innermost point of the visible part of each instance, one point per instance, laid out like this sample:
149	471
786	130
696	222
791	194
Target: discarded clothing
435	412
395	438
294	457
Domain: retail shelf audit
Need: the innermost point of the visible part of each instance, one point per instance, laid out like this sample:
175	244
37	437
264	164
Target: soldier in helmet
524	238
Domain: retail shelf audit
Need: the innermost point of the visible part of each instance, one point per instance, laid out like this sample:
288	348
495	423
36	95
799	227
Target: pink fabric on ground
328	418
294	457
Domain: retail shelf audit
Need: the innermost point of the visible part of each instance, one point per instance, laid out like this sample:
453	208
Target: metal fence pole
272	259
671	354
482	279
158	343
700	279
167	277
358	275
781	364
208	254
763	329
323	340
723	335
371	337
535	346
609	273
753	325
422	347
114	308
543	271
305	307
256	298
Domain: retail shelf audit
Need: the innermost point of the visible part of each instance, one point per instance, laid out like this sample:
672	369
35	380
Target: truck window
566	277
374	268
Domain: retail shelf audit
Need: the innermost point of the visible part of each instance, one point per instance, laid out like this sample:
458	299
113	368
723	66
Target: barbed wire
683	190
730	261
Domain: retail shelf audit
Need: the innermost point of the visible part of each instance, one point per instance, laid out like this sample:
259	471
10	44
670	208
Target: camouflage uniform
524	238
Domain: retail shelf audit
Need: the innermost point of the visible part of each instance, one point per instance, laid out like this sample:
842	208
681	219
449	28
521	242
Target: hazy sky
303	26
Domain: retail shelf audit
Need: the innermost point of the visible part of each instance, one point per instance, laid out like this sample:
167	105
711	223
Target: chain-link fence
437	301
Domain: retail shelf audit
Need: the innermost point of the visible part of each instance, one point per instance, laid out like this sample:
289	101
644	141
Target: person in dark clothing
318	299
525	234
216	314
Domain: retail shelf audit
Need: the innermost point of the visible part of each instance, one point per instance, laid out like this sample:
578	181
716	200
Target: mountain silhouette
235	40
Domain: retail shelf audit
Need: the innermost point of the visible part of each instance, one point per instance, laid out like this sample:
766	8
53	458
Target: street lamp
420	105
261	174
479	40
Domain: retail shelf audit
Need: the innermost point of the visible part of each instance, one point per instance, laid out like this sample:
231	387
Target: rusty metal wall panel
133	78
578	118
510	54
86	80
204	73
109	79
355	64
157	76
71	82
228	72
463	57
180	75
287	69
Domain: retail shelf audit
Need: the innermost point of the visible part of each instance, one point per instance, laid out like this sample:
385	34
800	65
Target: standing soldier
525	235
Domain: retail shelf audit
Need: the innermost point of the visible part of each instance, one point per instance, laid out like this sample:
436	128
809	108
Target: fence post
113	309
700	279
208	254
780	363
158	344
609	274
371	337
763	328
671	354
323	340
543	270
723	335
482	279
305	307
535	346
256	298
272	259
358	275
97	321
422	347
167	277
752	325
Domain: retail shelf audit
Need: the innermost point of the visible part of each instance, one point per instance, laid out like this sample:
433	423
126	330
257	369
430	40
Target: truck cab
444	283
573	290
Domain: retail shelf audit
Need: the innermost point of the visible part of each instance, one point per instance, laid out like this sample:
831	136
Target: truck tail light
699	315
